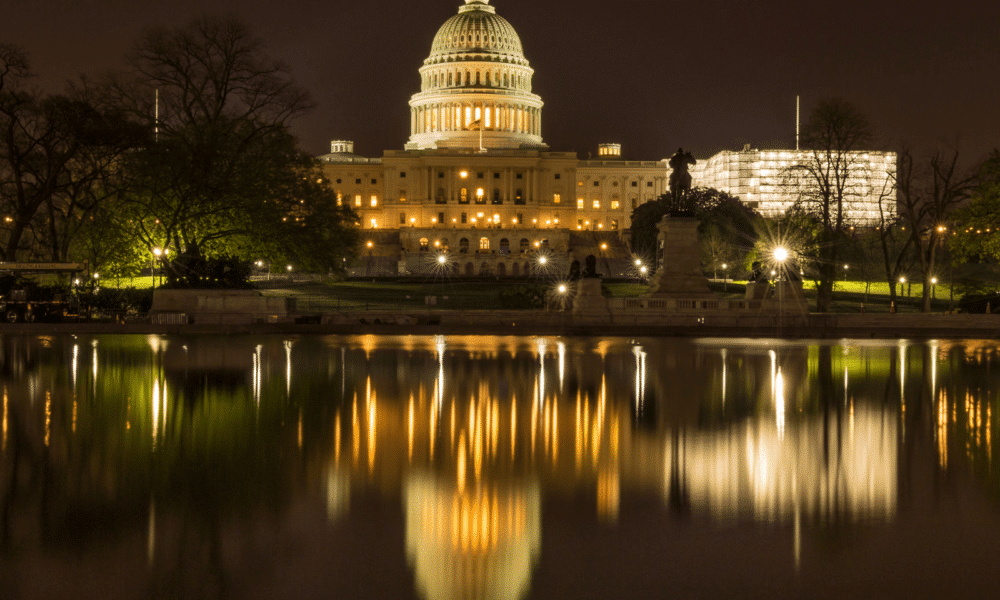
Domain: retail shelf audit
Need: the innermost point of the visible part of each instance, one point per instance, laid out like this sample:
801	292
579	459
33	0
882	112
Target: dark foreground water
497	467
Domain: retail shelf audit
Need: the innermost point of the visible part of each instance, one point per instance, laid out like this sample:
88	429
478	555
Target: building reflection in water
473	433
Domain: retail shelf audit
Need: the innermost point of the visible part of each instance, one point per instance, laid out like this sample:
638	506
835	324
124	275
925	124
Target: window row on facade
464	116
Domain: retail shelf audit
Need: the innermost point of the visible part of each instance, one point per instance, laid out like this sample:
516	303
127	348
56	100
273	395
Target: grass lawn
459	294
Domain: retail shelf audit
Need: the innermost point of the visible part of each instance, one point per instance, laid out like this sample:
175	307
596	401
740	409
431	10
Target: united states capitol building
477	191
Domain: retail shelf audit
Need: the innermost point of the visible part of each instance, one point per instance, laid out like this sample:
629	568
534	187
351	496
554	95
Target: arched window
444	243
463	245
502	270
484	269
484	243
424	243
470	269
515	270
463	196
525	245
504	246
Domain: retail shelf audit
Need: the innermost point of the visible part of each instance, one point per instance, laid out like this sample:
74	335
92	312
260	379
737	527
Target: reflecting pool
497	467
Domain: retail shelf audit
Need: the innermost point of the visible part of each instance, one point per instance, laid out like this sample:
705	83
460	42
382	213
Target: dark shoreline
817	326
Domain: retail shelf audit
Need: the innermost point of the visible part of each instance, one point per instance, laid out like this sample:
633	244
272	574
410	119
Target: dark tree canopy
55	153
719	212
222	172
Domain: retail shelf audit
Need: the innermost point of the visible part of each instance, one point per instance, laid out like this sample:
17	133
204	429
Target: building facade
476	190
773	181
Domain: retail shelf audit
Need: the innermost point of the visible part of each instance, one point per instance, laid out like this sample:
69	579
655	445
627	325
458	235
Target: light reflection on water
210	451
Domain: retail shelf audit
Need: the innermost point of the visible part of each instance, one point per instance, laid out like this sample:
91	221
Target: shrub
522	296
216	273
976	303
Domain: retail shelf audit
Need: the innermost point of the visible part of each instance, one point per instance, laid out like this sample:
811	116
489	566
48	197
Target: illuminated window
480	198
402	196
614	205
424	244
463	196
340	199
579	183
579	203
357	200
597	204
375	201
556	198
614	224
484	243
374	223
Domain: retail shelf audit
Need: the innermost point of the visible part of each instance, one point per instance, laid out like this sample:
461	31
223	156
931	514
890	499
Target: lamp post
780	255
725	276
157	252
933	283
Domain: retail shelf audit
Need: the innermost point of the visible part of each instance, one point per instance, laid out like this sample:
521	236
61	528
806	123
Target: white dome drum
476	87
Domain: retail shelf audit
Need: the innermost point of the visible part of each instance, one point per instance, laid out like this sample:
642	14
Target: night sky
649	74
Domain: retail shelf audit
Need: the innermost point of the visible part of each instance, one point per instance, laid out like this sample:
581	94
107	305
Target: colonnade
459	116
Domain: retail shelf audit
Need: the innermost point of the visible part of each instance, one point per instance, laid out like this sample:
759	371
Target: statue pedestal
790	296
589	299
758	290
679	261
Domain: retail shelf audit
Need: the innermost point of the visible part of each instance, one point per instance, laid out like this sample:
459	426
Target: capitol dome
476	87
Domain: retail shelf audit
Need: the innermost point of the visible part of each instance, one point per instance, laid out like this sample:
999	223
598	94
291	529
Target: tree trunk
824	291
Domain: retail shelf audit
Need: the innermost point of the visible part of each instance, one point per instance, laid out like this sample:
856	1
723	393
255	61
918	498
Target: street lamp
933	283
780	255
725	276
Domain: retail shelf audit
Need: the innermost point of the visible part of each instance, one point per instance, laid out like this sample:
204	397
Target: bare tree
54	152
219	111
927	195
830	178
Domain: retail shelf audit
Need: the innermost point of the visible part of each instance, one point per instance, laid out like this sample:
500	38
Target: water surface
496	467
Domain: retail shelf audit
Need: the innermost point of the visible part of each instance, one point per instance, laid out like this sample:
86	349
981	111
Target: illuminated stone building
769	181
476	182
477	191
